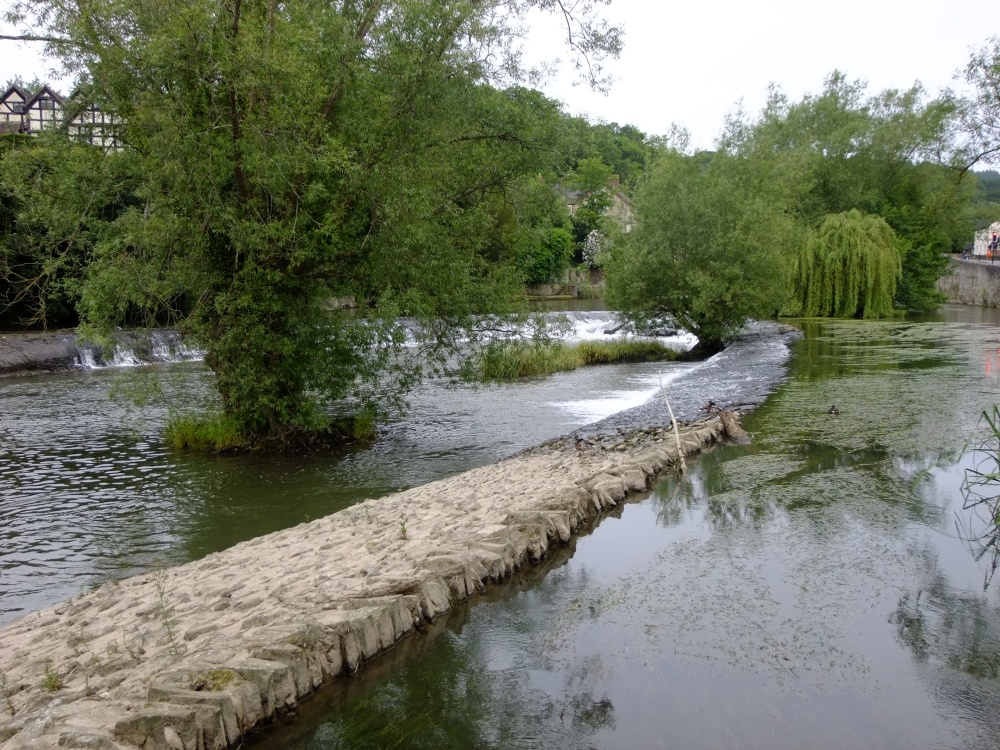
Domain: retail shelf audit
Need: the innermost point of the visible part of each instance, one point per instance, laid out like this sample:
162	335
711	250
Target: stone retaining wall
971	282
198	656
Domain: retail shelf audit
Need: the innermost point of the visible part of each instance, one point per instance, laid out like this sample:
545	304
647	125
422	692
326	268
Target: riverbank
198	656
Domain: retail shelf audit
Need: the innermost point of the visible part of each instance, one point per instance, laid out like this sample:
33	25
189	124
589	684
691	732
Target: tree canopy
848	268
711	245
285	154
884	154
980	112
842	203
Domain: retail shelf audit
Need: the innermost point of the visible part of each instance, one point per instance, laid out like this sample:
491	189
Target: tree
298	151
31	87
710	246
57	201
591	180
546	256
980	113
880	154
848	268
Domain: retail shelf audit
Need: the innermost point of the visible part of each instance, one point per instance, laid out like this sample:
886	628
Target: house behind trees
82	120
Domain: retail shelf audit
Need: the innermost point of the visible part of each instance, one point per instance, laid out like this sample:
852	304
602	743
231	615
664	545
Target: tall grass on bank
212	433
513	361
217	433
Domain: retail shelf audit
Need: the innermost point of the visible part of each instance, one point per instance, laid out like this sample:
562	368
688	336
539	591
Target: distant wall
583	283
972	282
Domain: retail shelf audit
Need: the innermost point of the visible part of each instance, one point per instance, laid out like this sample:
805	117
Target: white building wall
982	239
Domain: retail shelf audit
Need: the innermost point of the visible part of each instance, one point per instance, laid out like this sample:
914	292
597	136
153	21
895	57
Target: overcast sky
690	61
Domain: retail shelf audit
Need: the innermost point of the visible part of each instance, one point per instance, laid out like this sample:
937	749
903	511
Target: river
810	590
89	492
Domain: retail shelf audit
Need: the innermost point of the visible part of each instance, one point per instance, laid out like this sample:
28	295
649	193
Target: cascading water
134	348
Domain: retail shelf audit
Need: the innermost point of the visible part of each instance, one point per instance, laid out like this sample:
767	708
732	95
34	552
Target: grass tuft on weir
205	433
513	361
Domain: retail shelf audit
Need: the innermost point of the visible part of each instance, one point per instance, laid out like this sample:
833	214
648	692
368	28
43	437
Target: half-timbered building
12	110
82	120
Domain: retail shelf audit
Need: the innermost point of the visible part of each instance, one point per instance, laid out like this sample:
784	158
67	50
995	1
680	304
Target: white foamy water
606	326
162	346
639	389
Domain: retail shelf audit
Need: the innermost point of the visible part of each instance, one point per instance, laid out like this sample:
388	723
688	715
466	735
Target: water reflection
808	590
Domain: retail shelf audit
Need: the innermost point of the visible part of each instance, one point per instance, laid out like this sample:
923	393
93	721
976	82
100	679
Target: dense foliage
285	154
843	203
848	268
711	247
879	154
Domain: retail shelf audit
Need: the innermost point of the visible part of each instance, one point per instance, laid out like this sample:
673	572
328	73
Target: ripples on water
806	591
89	492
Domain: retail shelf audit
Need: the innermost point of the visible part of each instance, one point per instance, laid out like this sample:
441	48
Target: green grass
514	361
52	680
211	433
217	433
617	352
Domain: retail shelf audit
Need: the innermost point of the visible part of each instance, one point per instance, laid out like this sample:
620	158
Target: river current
819	588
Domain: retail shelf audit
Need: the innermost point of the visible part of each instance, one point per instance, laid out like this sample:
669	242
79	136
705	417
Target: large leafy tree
711	244
881	154
848	268
293	152
981	110
58	199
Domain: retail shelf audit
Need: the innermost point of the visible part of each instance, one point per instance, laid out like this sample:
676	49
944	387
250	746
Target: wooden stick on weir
677	433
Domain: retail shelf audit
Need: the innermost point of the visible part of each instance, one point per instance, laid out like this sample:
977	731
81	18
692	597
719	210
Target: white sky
690	61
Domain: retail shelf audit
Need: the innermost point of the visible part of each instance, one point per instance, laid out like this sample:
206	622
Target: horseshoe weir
199	656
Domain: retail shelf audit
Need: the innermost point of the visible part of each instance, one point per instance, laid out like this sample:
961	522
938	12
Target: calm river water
811	590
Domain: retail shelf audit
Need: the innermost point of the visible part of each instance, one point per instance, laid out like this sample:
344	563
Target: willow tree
297	151
849	268
710	245
880	153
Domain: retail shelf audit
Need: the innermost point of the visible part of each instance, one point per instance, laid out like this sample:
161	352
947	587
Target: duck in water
833	410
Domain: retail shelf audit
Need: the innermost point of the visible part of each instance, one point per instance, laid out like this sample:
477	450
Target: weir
62	350
198	656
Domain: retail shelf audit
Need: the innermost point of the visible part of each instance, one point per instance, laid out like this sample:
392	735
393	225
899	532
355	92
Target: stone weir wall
198	656
972	282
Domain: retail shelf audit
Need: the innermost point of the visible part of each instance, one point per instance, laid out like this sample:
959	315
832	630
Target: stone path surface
198	656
